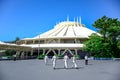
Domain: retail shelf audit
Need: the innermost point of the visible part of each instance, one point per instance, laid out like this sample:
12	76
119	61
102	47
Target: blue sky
28	18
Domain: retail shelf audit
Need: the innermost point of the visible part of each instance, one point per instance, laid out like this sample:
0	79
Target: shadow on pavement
69	68
90	64
48	64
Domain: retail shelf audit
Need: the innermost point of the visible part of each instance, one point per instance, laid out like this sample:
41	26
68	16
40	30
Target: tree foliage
16	39
9	52
93	45
108	44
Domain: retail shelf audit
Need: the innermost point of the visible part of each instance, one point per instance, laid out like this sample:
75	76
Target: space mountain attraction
65	37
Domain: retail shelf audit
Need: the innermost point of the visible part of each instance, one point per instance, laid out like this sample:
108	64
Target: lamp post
39	45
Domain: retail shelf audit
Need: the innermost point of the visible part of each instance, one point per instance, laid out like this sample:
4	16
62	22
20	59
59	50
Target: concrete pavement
37	70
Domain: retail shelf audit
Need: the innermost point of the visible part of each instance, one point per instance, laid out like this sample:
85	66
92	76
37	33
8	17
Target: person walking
14	57
46	59
86	59
66	61
74	62
54	61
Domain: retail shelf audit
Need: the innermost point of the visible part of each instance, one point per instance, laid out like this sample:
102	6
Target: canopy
4	46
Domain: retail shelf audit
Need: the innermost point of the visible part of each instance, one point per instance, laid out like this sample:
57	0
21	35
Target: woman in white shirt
74	61
54	61
46	59
66	61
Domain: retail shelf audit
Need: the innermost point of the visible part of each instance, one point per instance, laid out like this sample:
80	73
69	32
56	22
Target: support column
64	51
58	40
31	52
48	51
70	52
54	51
76	52
22	55
33	41
45	41
58	51
75	41
26	55
43	51
18	53
25	42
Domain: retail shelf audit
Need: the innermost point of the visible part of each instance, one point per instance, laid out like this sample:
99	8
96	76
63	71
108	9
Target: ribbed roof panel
67	29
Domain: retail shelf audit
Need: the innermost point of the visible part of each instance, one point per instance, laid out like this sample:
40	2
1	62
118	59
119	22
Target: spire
77	22
77	19
80	20
67	18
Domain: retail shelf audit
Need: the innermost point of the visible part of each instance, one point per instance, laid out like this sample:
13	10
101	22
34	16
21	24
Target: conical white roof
63	30
67	29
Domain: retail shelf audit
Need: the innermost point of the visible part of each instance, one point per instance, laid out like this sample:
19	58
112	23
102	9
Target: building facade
66	37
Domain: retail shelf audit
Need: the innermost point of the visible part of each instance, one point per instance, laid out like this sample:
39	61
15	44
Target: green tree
102	25
93	45
118	44
109	28
17	39
9	52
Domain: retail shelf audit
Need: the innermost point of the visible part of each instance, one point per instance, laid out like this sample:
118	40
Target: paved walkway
37	70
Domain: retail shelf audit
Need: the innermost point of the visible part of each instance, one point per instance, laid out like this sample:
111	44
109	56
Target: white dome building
65	37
